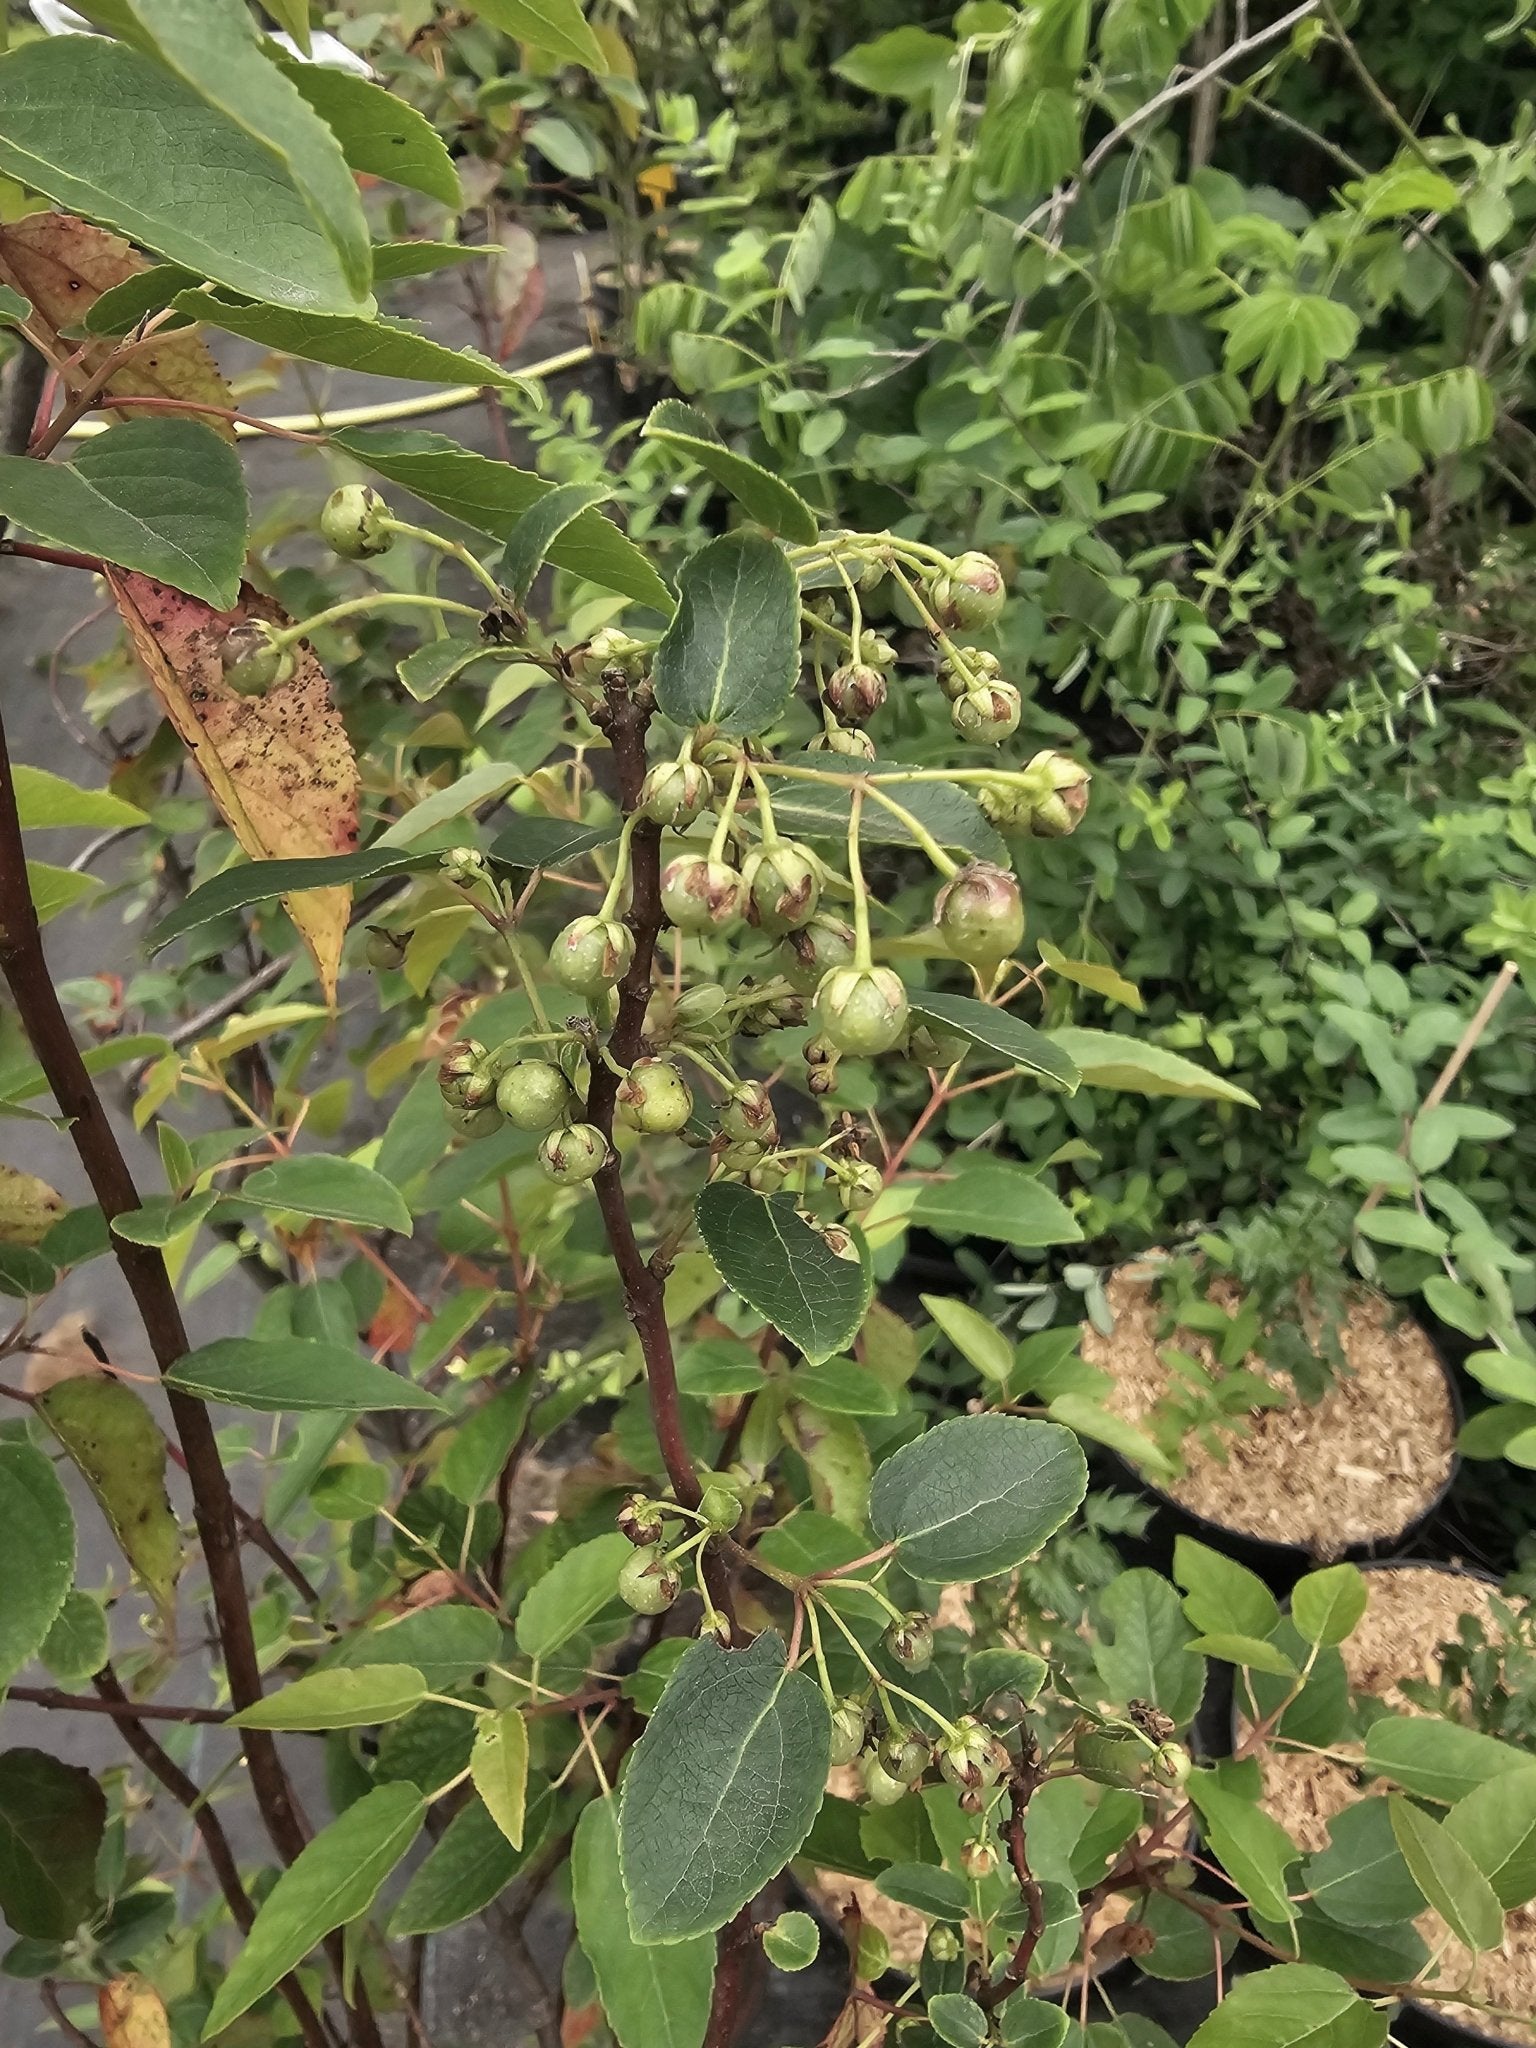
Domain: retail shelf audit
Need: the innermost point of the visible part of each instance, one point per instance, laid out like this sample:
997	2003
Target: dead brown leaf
63	266
133	2015
280	768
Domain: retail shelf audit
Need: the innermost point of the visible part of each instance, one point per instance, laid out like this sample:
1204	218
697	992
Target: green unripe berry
464	1079
848	1725
972	595
573	1154
903	1756
716	1628
734	1160
1171	1763
943	1944
701	895
862	1010
855	692
654	1098
647	1582
980	915
910	1642
844	739
384	949
987	714
810	953
608	648
962	669
675	792
880	1788
770	1174
859	1183
591	954
969	1758
720	1505
250	661
783	886
352	523
747	1116
533	1094
481	1122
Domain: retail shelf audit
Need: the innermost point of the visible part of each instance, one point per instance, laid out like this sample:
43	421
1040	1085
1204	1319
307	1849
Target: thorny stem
625	722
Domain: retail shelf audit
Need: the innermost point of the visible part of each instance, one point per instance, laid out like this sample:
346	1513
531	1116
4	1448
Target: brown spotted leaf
280	768
133	2014
63	265
29	1208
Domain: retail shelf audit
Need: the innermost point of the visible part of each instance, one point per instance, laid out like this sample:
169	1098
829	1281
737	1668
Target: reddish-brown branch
733	1950
118	1707
62	558
130	1716
625	722
1020	1791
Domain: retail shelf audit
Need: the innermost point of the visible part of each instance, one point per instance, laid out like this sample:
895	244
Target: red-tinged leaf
279	768
63	265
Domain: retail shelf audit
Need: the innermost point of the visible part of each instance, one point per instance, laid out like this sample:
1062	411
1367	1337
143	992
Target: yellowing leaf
116	1443
64	265
279	767
498	1765
133	2014
28	1207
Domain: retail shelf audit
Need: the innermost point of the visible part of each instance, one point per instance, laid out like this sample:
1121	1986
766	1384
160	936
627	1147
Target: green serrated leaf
37	1540
1496	1825
653	1997
540	527
731	656
380	133
163	496
338	1190
977	1495
52	1818
45	800
471	1864
572	1593
554	26
784	1269
375	348
735	1732
999	1031
1360	1879
335	1879
769	501
293	1375
81	119
1326	1605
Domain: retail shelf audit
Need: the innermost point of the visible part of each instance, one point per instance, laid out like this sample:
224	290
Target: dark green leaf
339	1190
52	1817
1104	1059
490	496
994	1198
977	1495
448	1645
1143	1653
653	1997
37	1541
731	656
483	1442
339	1699
736	1733
256	880
958	2021
379	133
1293	2005
772	503
335	1879
941	1894
540	527
1447	1876
992	1671
1387	1955
533	842
1360	1879
433	666
375	348
116	1443
573	1592
292	1375
1254	1850
820	810
121	307
84	120
783	1268
164	496
214	46
470	1865
998	1031
556	27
